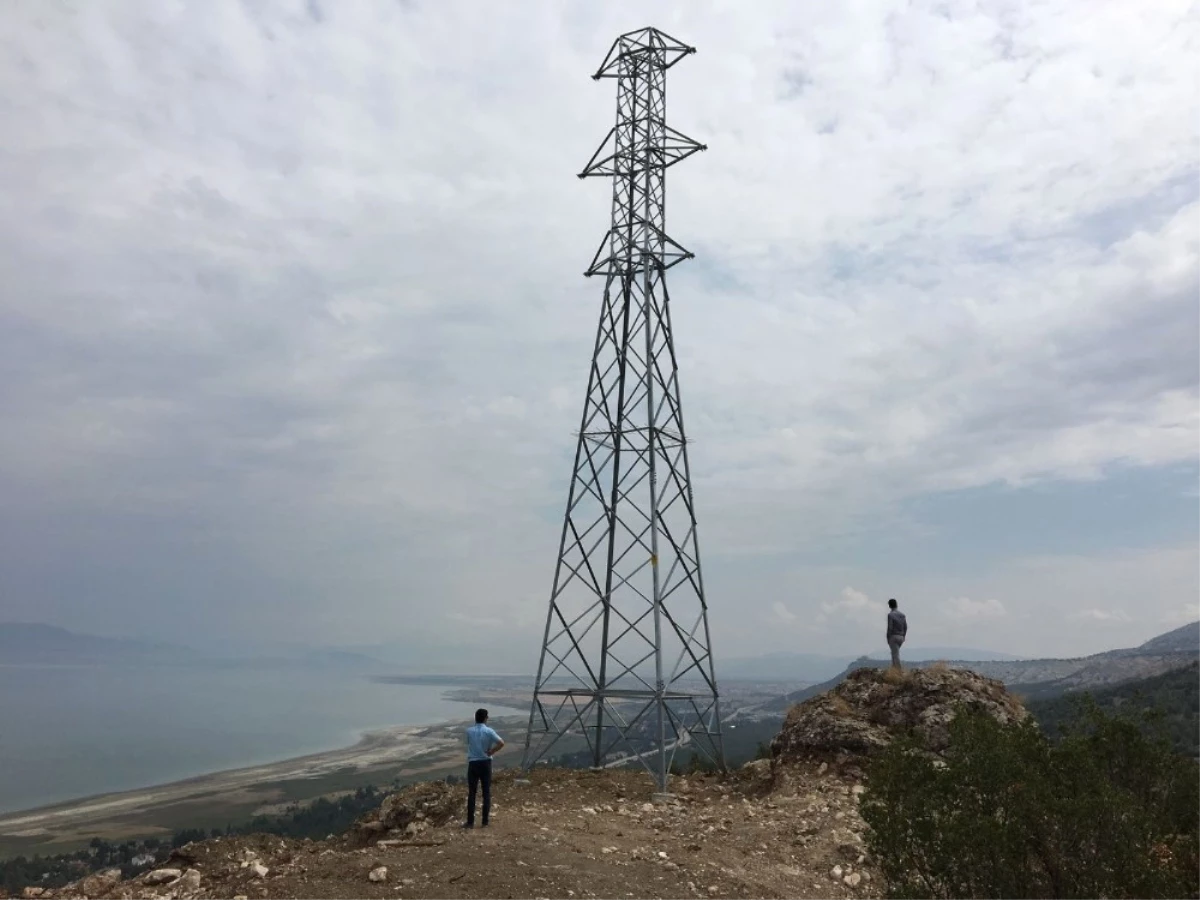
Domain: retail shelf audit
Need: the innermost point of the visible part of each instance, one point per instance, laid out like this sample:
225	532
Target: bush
1106	811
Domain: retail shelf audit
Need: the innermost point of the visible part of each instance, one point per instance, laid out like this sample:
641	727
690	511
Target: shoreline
162	808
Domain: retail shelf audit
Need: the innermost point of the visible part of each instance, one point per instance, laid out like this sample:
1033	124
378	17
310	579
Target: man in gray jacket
897	630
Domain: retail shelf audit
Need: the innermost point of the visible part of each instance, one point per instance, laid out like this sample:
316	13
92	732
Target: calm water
69	732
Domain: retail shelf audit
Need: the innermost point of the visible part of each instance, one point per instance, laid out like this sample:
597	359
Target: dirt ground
567	833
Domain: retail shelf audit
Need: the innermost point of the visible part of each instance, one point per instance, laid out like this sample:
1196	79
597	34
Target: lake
69	732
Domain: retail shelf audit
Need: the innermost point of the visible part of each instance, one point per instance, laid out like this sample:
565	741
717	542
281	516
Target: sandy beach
194	801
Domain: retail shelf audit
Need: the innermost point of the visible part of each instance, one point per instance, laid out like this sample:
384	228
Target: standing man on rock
897	630
482	745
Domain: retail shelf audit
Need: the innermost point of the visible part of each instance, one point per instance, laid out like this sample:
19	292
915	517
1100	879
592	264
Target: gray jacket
897	625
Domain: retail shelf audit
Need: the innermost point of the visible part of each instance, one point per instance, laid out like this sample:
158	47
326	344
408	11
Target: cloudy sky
294	336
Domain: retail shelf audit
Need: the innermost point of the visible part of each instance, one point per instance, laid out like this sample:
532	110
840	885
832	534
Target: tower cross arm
643	40
608	160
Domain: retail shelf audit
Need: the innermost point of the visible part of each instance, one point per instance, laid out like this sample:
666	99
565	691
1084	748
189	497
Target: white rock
259	870
835	873
857	789
162	876
589	810
662	854
852	879
712	889
647	807
188	881
379	873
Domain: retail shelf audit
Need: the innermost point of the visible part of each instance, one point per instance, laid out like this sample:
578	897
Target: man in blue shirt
482	745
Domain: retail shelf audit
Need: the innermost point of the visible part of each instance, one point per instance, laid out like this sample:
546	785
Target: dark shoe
468	825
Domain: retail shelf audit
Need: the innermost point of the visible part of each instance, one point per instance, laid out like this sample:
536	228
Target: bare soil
567	833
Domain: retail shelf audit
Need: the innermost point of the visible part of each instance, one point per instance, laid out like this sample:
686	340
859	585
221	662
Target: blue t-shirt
480	739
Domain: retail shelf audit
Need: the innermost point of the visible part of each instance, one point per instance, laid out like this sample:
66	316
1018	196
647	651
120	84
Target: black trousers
479	774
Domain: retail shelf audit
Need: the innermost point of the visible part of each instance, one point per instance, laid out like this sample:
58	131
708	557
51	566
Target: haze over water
69	732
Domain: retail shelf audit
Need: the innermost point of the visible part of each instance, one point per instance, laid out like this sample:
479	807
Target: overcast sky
294	335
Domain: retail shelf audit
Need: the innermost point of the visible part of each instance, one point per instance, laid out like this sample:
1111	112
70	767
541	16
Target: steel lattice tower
626	659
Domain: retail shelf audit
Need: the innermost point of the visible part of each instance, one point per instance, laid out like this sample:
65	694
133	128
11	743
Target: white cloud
966	608
1101	615
296	303
1182	614
782	613
852	604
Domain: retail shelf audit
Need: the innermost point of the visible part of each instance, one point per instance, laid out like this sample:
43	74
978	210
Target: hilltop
784	827
870	706
567	834
1184	639
1040	678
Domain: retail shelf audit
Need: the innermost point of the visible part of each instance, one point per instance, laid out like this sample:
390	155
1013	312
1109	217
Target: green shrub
1106	811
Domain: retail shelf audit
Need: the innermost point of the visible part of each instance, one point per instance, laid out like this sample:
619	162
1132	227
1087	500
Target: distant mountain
786	666
1040	678
27	643
1174	695
781	667
963	653
39	644
1183	639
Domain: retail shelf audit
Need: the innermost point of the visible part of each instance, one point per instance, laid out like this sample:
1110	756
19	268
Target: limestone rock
259	870
162	876
419	805
379	873
188	881
852	879
100	883
862	714
757	767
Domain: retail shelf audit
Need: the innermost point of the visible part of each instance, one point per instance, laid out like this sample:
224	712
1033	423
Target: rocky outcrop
872	706
409	812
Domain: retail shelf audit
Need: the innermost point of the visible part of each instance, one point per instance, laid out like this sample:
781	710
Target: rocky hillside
1174	696
787	827
572	834
1185	639
863	713
1050	677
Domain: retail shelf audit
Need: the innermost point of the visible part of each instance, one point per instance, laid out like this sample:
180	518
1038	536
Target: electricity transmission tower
626	667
